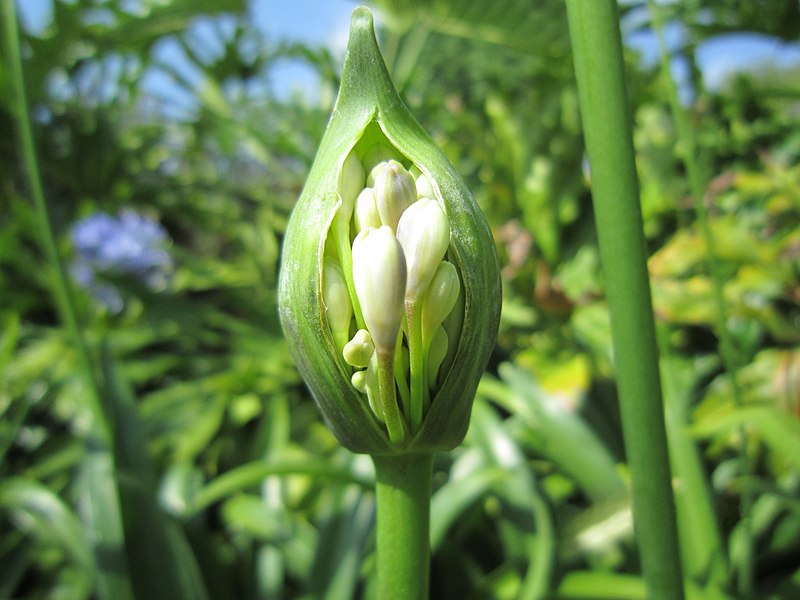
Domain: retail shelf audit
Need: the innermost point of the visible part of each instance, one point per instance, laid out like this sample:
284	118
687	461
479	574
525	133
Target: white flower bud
379	276
351	182
359	381
440	298
424	187
372	174
338	308
359	350
395	191
366	214
424	234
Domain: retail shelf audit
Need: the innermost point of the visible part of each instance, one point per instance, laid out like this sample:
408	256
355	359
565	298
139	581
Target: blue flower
130	247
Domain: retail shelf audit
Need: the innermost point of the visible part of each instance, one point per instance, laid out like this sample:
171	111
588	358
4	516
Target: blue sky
310	21
325	23
314	22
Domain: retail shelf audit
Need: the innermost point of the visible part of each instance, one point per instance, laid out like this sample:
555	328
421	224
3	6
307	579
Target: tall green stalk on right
597	48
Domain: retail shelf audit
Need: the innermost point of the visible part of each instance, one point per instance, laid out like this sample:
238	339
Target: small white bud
395	191
351	182
359	350
440	298
424	234
424	187
379	276
359	381
366	214
372	174
338	308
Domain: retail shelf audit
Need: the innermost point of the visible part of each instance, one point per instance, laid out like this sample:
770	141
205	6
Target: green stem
97	483
689	154
400	378
701	542
388	396
62	292
403	490
597	47
416	359
729	353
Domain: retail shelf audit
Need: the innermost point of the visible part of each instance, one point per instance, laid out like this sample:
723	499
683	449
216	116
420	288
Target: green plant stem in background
597	48
99	497
729	353
690	158
403	491
27	153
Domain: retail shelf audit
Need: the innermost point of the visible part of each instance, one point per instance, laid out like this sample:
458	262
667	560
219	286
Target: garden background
174	452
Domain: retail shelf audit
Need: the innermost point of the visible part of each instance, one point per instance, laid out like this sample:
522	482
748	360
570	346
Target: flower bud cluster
389	290
387	287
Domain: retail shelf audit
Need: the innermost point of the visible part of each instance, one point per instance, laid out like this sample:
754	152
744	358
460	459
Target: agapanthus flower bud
379	276
440	299
424	234
423	184
395	191
337	302
390	244
359	381
351	182
366	214
358	351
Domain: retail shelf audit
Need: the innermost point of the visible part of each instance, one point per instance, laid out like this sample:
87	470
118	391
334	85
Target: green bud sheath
371	120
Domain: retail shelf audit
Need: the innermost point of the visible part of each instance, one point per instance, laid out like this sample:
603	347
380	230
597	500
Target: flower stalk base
403	490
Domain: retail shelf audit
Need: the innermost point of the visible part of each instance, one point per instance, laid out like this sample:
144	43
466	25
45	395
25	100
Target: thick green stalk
729	353
403	490
27	152
597	48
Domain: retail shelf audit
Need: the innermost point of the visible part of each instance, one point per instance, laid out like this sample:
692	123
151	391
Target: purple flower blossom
130	247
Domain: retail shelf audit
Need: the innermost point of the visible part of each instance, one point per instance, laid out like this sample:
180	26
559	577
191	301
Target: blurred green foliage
229	484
